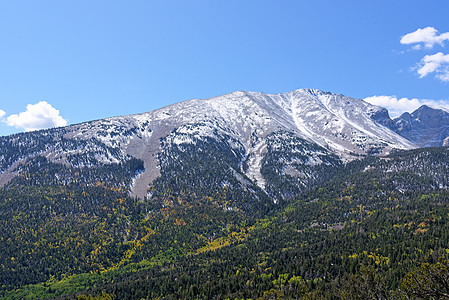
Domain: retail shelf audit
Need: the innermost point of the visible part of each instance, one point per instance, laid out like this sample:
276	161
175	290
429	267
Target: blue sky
66	62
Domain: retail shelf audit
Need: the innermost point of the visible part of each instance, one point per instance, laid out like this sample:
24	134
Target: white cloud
428	36
438	63
37	116
444	76
2	113
396	106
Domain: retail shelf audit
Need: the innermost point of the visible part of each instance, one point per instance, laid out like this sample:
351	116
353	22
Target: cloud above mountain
37	116
397	106
425	36
437	63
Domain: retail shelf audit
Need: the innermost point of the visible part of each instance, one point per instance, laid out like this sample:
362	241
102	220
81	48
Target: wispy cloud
425	36
2	113
37	116
397	106
437	63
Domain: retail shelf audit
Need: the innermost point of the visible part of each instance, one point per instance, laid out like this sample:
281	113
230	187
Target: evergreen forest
373	228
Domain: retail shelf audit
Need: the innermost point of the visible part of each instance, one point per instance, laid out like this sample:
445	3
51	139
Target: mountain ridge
341	125
344	126
427	126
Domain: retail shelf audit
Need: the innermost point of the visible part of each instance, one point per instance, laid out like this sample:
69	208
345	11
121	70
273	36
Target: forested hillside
370	224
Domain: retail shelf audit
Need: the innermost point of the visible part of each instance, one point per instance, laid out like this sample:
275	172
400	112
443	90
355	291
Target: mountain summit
245	124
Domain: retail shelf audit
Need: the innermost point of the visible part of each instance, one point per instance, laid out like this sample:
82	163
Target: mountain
300	195
296	135
426	127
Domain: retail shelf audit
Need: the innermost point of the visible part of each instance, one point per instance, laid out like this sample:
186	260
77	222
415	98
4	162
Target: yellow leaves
215	244
359	209
420	230
180	222
150	232
378	259
227	240
422	224
374	235
135	246
353	256
94	253
165	213
282	279
403	225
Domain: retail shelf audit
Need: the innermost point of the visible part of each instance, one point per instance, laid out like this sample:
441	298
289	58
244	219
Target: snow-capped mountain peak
245	124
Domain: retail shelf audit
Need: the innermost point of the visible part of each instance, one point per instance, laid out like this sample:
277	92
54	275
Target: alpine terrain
247	195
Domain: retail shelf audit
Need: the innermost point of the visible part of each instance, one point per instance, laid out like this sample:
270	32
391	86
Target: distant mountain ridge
426	127
343	126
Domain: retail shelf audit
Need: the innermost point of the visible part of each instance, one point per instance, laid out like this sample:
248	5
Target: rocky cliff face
425	127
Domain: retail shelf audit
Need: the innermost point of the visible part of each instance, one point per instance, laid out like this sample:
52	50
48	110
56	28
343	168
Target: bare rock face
425	127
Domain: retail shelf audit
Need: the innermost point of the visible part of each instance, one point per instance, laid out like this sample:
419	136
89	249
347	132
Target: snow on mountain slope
345	126
340	124
345	123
